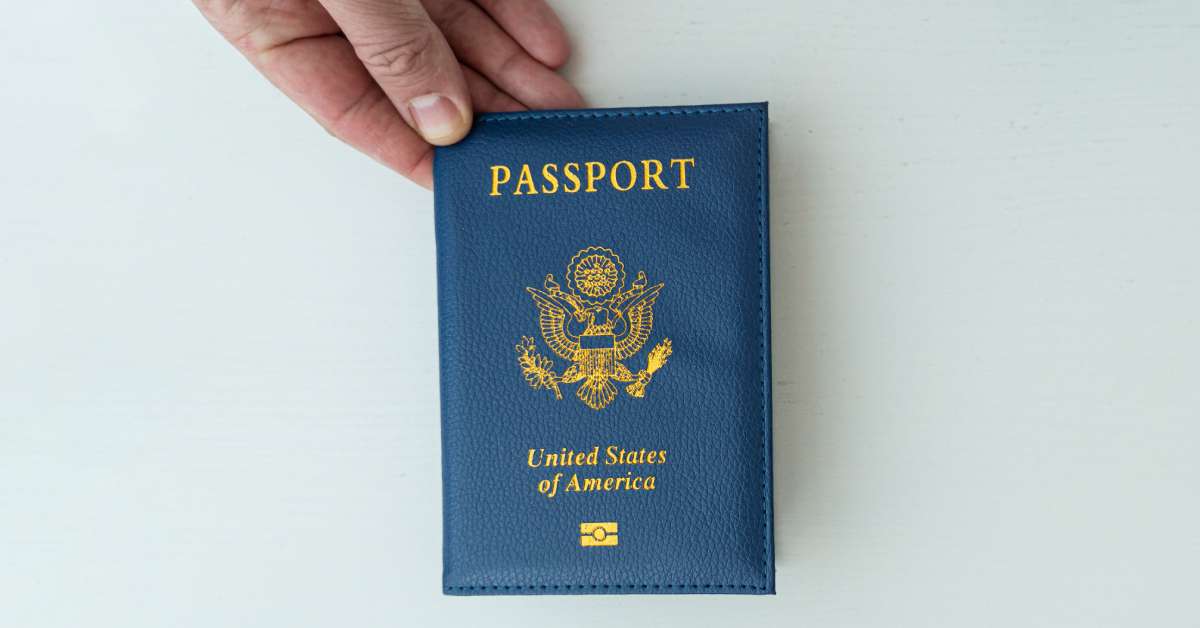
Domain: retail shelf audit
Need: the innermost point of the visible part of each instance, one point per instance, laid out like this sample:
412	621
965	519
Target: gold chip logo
598	534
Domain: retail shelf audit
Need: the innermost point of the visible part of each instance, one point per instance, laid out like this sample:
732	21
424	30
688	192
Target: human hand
393	78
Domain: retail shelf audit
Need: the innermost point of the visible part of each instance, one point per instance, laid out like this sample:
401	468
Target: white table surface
218	402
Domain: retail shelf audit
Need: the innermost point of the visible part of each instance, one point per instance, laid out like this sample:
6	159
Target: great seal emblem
595	324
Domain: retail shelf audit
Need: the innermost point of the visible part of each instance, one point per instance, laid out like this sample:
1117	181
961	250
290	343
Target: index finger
305	56
534	25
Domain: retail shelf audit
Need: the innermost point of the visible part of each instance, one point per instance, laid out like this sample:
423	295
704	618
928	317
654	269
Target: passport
605	355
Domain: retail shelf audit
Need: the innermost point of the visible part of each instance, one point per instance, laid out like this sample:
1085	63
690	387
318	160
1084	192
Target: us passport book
604	335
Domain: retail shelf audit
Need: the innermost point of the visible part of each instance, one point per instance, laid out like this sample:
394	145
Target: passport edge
768	583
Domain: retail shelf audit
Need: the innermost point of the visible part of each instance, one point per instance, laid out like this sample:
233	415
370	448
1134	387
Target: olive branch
536	367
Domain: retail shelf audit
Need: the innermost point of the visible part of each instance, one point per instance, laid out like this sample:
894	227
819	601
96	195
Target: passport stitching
624	114
762	342
762	337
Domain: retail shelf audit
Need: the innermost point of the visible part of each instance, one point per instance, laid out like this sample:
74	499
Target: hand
395	77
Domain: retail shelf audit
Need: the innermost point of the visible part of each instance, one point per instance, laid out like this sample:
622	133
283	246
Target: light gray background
218	397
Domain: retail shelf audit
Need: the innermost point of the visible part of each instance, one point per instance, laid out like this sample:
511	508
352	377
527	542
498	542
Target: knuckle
407	58
238	21
216	8
452	16
509	60
228	13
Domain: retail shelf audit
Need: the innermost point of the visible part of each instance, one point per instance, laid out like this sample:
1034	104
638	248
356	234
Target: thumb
410	59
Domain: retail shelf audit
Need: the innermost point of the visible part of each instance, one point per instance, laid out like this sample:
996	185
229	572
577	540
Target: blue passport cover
604	323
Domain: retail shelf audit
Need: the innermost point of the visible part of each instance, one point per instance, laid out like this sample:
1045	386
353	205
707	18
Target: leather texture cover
604	318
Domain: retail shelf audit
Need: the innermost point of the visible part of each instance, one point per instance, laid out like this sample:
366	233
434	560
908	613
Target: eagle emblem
594	324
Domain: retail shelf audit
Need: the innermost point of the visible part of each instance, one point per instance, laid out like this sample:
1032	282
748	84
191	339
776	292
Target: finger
255	26
485	96
484	46
534	25
320	72
326	78
411	61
